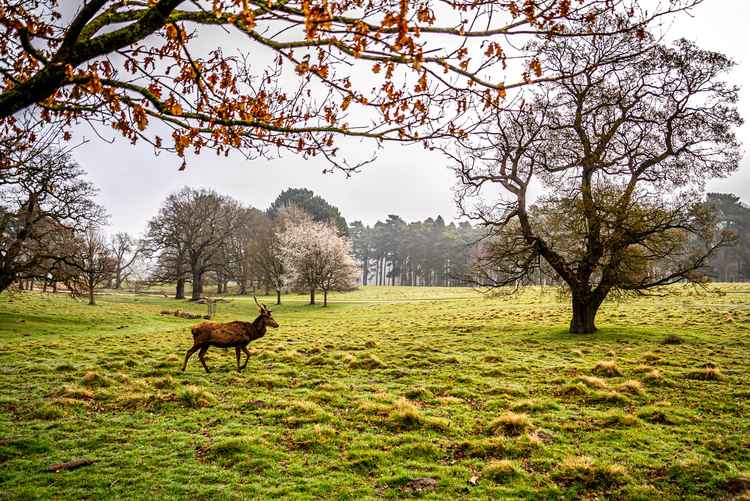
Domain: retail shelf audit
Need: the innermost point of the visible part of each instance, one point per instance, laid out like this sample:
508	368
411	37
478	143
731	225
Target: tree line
52	232
421	253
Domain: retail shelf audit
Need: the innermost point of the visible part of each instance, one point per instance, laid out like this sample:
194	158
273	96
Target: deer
235	335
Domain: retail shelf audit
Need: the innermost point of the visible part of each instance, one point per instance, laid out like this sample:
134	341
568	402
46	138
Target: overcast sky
408	181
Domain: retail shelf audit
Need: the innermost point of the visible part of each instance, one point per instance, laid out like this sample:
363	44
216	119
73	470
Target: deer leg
237	351
201	355
247	355
188	355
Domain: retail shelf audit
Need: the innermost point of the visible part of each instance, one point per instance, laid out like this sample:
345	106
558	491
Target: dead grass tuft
590	474
419	393
368	362
312	436
93	379
375	408
672	339
650	356
405	415
593	382
631	387
194	397
305	412
653	375
706	374
618	419
510	390
77	393
164	383
509	424
532	405
606	368
608	396
501	470
660	415
574	389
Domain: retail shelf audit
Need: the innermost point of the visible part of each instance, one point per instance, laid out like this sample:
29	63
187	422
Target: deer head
265	314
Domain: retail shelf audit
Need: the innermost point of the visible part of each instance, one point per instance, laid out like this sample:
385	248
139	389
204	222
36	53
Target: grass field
387	393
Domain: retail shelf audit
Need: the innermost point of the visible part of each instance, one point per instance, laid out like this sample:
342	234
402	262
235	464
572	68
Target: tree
90	262
338	270
316	257
127	65
266	255
42	194
732	263
312	204
420	253
125	250
361	246
622	146
242	247
189	230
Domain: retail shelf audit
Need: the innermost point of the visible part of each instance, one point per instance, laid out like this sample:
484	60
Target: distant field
387	393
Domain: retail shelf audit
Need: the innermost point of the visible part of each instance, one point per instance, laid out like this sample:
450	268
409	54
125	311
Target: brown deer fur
235	335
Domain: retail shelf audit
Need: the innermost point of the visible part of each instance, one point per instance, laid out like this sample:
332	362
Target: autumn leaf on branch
284	74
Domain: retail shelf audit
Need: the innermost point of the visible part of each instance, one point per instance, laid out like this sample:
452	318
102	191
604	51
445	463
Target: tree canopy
301	68
316	206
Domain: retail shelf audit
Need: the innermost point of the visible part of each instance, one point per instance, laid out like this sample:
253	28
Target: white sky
404	180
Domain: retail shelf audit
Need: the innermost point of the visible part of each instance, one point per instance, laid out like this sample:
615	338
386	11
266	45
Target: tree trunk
180	292
243	287
325	297
118	279
197	286
92	299
6	280
584	314
219	287
312	296
278	296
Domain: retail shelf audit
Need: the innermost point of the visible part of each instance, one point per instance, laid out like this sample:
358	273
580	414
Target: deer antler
262	307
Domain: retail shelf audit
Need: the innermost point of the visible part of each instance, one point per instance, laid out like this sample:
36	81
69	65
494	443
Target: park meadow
387	393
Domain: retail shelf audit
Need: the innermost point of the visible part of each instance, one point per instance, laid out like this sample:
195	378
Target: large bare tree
240	248
621	148
301	67
89	262
43	194
190	229
125	250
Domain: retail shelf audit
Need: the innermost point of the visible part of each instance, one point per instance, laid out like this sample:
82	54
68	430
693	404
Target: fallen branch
70	465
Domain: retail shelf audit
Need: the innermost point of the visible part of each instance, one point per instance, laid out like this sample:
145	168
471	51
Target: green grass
384	390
